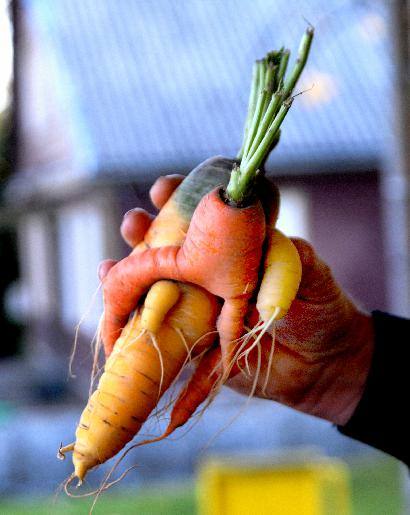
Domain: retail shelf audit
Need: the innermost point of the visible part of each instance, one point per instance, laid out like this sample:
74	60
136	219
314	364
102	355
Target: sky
6	54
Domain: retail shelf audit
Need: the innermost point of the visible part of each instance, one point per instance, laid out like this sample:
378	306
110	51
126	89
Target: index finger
163	188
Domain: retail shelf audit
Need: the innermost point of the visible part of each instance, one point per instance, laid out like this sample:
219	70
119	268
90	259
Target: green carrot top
269	101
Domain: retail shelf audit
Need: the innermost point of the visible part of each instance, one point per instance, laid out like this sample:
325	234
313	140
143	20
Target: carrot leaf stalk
269	102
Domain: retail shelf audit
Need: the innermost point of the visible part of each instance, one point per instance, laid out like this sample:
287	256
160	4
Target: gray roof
162	83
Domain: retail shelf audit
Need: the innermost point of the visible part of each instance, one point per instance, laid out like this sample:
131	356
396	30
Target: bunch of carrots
209	262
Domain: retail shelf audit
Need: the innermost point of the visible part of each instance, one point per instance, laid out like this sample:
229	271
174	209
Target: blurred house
112	94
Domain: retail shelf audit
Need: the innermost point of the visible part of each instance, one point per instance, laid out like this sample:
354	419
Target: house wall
345	227
60	247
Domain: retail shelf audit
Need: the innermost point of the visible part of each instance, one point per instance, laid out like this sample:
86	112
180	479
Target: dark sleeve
382	416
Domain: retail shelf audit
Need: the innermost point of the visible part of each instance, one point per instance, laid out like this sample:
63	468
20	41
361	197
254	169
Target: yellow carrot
138	371
281	277
161	297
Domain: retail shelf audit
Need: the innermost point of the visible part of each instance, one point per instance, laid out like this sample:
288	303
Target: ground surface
376	490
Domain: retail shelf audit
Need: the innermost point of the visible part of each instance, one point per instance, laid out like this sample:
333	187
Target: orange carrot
203	380
222	253
171	224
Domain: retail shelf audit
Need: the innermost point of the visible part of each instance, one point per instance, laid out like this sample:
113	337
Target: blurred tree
5	143
11	331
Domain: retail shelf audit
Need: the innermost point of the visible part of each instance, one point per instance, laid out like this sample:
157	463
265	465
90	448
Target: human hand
323	346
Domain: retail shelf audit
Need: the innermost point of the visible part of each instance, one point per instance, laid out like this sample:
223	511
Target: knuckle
306	251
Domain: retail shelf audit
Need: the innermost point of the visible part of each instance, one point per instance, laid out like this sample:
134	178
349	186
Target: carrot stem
282	68
251	105
270	114
303	54
252	165
260	104
269	102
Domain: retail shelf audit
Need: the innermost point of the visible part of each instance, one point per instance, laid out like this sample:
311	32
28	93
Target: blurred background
97	99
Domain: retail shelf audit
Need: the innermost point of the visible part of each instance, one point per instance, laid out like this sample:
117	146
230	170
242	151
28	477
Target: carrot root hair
63	450
262	328
161	361
77	331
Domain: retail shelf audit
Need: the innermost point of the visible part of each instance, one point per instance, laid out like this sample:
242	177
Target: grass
377	487
164	501
376	490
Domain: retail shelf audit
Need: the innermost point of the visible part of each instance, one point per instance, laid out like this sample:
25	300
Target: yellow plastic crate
235	487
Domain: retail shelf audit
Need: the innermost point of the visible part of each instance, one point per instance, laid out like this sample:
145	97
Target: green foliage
5	143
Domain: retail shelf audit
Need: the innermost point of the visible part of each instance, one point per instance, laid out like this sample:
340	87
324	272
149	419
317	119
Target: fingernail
171	175
133	210
104	267
99	271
